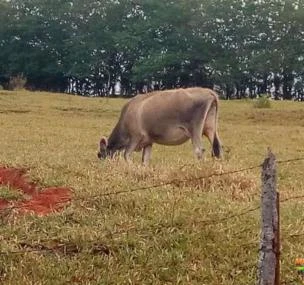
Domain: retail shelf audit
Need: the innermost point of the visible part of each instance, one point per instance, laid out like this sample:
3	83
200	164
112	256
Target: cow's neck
117	139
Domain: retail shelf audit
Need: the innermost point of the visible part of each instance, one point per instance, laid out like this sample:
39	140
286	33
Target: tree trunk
277	83
287	85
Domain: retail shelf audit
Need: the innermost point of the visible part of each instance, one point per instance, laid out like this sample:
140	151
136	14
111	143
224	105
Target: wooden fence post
269	261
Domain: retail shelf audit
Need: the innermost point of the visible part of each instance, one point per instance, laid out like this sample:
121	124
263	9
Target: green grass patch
173	234
8	193
263	102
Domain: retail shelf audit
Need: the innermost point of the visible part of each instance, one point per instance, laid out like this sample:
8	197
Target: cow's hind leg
197	131
211	133
214	141
196	139
146	154
217	147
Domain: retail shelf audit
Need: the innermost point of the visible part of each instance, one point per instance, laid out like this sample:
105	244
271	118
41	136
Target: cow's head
103	148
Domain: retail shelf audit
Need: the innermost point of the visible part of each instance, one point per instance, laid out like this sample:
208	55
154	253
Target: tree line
88	47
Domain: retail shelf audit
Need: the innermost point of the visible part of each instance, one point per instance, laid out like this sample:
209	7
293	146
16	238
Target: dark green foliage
93	44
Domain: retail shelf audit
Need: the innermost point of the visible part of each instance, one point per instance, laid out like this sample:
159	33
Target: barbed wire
175	181
203	222
6	211
61	248
296	235
234	216
145	188
292	198
290	160
26	251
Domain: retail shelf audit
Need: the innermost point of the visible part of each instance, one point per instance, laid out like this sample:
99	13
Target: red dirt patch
40	202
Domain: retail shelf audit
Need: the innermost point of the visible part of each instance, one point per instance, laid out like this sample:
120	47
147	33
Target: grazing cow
165	117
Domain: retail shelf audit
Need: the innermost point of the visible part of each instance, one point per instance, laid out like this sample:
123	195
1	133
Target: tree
86	47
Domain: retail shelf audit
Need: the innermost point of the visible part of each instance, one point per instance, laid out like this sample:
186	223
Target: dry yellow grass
173	234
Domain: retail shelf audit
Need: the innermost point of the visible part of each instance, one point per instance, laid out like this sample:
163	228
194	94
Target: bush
1	87
262	102
17	82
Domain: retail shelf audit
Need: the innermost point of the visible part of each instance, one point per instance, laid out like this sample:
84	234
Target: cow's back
166	112
173	105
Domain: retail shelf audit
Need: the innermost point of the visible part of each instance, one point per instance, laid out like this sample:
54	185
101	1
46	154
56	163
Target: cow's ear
103	143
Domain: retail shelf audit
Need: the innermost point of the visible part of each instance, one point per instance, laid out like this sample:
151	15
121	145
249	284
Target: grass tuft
263	102
7	193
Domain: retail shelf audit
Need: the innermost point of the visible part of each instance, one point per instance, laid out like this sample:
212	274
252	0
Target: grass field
173	234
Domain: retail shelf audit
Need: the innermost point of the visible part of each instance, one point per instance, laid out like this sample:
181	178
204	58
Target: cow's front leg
146	154
197	146
129	149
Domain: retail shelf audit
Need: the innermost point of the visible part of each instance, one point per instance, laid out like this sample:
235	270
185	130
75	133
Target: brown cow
165	117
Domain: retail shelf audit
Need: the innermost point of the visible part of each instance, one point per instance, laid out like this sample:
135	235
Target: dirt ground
36	200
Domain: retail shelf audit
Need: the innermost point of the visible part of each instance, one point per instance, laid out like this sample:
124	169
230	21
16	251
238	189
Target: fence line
211	221
150	187
8	210
300	235
174	181
219	220
292	198
145	188
290	160
204	222
26	251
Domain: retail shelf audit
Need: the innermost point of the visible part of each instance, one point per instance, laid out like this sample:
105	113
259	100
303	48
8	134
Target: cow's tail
216	145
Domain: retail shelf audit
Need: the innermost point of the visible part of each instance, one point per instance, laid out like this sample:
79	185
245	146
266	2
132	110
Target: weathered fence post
269	262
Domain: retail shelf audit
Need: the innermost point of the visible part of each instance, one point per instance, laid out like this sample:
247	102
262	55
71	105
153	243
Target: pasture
186	231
